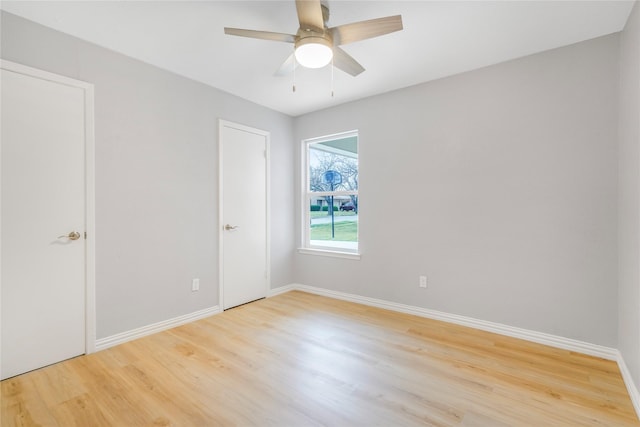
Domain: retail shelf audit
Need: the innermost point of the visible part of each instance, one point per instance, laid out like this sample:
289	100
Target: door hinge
85	235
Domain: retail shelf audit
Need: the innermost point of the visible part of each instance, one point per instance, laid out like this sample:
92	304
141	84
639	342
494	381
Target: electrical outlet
195	285
423	281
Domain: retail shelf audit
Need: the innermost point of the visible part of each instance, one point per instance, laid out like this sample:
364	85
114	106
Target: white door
244	214
43	201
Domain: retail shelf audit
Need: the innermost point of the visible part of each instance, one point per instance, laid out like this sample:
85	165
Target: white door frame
90	270
222	124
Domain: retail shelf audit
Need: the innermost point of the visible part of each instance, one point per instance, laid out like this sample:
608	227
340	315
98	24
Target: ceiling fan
316	45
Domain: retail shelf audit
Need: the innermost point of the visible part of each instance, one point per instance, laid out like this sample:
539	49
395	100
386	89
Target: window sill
329	253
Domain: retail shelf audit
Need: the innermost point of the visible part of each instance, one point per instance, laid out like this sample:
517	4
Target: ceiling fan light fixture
313	52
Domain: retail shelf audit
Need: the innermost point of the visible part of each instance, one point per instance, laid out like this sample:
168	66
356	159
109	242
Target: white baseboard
631	385
113	340
281	290
498	328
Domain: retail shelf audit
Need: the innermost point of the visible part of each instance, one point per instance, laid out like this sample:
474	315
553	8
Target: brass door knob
230	227
74	235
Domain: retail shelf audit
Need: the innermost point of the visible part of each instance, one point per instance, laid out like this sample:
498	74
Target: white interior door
43	201
244	214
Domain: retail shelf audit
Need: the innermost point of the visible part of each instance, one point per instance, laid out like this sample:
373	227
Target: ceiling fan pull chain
294	71
332	67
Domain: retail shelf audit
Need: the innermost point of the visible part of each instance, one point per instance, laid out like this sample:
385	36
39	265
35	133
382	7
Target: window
331	193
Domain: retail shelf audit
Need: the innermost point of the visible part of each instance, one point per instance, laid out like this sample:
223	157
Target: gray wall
499	184
157	177
629	215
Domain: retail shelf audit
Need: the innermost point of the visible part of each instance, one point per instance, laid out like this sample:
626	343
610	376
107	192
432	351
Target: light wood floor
304	360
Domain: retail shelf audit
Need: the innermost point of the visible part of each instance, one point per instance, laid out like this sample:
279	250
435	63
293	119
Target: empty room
189	246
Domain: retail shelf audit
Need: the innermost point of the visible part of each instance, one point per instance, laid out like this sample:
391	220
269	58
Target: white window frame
307	195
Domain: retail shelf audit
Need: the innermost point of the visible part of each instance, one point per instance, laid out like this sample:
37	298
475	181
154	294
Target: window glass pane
332	193
333	165
335	228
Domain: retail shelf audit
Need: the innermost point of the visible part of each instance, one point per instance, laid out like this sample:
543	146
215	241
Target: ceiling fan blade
264	35
349	33
310	15
287	66
345	62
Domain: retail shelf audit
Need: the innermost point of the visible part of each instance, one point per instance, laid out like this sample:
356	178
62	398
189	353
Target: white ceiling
440	38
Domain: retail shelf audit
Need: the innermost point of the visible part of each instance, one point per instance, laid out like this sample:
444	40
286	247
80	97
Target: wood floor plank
305	360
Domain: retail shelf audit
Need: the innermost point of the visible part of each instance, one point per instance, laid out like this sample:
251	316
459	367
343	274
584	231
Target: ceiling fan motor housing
310	36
